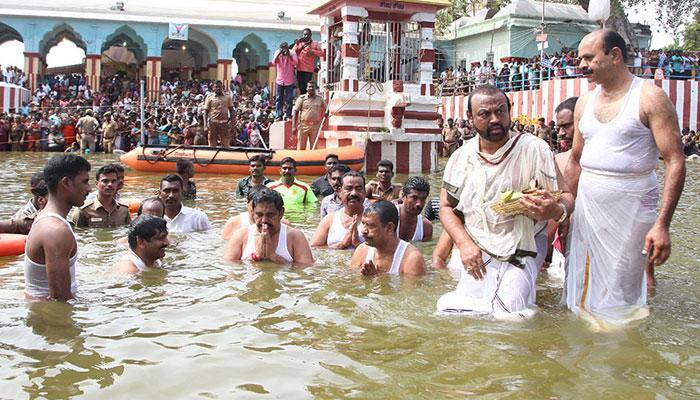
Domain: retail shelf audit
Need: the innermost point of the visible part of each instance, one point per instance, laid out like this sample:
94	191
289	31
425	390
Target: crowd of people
12	74
505	202
517	73
66	114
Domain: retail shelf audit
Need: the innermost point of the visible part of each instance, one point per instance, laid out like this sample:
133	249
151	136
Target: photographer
285	60
307	50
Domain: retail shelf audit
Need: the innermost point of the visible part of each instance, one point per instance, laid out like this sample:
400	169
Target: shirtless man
383	251
148	239
51	250
268	238
622	127
341	229
413	226
244	219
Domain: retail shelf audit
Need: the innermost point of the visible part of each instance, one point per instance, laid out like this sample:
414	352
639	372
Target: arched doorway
193	58
64	50
11	50
122	53
252	56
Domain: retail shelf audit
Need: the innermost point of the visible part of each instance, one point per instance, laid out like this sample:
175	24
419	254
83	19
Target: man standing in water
341	229
180	218
293	191
322	186
268	238
621	129
383	251
413	227
256	165
51	249
499	255
148	239
382	188
104	211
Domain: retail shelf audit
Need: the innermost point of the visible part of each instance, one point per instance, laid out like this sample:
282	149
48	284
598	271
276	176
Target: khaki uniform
93	215
217	108
87	126
450	138
310	115
374	192
109	132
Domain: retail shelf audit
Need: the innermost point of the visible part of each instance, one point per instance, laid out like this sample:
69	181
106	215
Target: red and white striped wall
12	96
542	102
93	70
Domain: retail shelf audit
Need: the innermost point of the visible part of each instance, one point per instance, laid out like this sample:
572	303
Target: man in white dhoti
499	256
621	129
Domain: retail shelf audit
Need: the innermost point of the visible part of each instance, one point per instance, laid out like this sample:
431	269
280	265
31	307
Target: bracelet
564	213
255	257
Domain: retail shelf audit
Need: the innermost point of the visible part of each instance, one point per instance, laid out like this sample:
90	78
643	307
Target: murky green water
207	329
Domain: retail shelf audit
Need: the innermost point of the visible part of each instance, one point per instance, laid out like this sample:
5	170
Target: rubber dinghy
216	160
12	244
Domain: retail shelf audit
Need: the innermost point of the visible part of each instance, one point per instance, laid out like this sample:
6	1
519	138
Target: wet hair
258	158
267	195
386	211
183	165
172	178
487	90
252	191
342	168
66	165
38	184
568	104
353	174
104	170
288	160
386	163
145	227
148	201
417	183
118	167
612	39
331	155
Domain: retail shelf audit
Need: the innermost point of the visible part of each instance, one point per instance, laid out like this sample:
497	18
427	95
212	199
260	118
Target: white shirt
188	220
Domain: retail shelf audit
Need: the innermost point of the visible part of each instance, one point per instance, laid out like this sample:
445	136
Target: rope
194	156
162	155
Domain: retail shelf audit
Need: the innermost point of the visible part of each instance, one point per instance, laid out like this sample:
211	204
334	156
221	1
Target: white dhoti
605	276
506	292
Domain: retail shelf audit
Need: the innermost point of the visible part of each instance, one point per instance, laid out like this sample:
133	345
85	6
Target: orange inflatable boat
12	244
214	160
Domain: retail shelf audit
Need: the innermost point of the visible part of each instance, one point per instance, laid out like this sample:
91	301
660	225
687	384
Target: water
209	329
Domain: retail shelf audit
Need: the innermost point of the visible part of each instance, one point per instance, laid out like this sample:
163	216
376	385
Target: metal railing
389	50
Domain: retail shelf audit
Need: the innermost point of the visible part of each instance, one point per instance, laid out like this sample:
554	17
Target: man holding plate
499	232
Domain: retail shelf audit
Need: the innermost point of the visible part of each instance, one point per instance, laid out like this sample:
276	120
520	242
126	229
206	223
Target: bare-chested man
413	226
341	229
268	238
51	250
622	127
383	251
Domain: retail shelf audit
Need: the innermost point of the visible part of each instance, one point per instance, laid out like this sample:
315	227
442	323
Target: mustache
353	197
586	71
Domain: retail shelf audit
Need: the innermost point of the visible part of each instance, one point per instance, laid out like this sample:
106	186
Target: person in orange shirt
307	50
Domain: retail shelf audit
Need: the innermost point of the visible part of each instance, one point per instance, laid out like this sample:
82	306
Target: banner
178	31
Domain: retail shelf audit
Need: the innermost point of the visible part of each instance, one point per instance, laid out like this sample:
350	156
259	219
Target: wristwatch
564	213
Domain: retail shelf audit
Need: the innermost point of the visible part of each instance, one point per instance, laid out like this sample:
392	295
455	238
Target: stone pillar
223	72
211	71
326	23
427	51
272	76
349	75
262	74
93	70
153	65
32	67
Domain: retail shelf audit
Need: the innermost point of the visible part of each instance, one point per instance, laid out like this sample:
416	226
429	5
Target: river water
204	328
